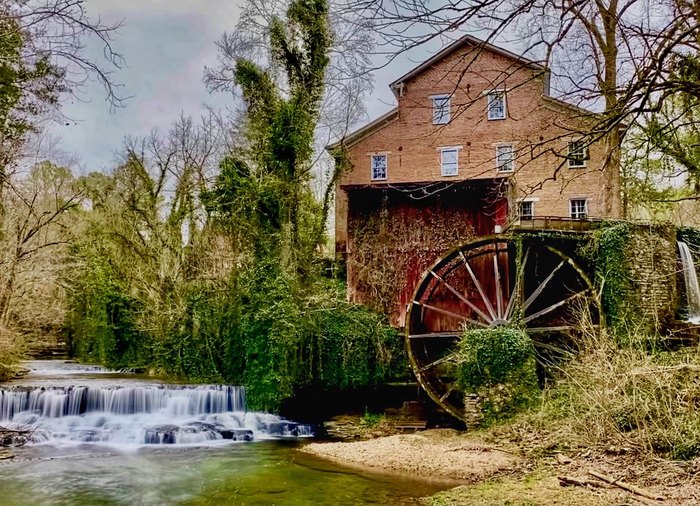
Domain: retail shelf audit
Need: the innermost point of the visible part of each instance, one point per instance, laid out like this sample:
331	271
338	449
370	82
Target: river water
104	438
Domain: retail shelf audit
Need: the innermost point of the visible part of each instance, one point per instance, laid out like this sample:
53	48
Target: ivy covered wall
395	235
637	274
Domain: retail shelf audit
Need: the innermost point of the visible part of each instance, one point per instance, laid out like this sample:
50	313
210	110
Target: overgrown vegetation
608	250
620	396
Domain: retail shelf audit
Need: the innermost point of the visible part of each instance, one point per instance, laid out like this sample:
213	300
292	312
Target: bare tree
43	58
39	203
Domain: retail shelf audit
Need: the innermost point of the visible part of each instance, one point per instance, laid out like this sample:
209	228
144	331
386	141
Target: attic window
496	104
378	167
441	109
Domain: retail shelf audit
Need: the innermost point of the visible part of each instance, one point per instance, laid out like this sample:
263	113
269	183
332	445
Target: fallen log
626	486
567	481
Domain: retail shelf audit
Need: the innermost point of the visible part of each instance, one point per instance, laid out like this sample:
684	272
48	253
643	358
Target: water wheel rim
440	392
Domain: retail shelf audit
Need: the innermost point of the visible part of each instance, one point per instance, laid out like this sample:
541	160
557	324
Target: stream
104	438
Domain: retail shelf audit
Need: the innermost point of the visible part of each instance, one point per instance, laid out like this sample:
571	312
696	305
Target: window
378	167
505	158
496	104
449	162
578	208
441	109
526	209
577	154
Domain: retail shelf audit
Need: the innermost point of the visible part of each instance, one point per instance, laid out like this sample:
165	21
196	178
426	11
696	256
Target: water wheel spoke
554	306
462	297
542	286
519	276
450	313
450	389
531	284
480	289
438	362
435	335
499	288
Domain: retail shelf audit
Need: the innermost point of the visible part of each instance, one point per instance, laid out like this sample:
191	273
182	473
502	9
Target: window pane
441	110
577	154
504	158
449	162
497	105
579	208
527	210
379	167
449	156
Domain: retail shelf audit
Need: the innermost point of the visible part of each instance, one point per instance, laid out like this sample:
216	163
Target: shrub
498	364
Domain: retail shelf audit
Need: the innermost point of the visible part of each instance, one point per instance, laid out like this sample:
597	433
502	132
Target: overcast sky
166	44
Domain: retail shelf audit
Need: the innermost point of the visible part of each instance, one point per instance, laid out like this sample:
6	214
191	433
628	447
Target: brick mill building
475	146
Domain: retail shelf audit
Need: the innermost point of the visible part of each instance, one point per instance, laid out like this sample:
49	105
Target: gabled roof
480	44
466	40
370	127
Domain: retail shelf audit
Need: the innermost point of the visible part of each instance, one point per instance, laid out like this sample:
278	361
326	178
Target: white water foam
139	415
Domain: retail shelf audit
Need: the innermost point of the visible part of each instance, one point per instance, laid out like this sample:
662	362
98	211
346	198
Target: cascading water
139	414
692	289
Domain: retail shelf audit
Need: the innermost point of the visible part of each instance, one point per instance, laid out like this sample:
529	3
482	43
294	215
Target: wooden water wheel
498	280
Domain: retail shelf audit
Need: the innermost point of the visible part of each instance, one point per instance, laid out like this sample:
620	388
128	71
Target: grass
371	420
609	395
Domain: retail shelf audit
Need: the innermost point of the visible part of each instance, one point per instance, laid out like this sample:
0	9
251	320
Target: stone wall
653	269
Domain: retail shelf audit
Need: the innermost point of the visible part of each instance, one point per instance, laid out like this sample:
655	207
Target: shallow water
268	470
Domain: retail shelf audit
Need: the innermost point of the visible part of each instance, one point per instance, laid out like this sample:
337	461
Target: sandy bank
436	453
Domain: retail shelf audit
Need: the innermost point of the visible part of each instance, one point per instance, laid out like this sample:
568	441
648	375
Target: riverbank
496	472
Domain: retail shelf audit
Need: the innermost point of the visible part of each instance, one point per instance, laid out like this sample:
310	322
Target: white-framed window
526	209
505	158
577	155
449	161
441	109
578	208
496	104
379	167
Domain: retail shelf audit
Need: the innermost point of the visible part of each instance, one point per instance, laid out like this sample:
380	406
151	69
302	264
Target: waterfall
141	414
692	289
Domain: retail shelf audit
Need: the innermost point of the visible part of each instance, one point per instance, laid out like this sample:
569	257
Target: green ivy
498	364
608	251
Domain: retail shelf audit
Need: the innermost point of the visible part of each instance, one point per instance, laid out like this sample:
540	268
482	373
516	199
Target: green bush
498	364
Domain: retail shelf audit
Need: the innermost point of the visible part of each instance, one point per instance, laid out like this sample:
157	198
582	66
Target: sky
166	44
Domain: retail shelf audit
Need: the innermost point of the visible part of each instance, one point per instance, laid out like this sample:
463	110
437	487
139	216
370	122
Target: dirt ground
501	474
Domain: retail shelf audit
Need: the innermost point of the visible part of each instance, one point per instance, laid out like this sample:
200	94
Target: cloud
166	45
